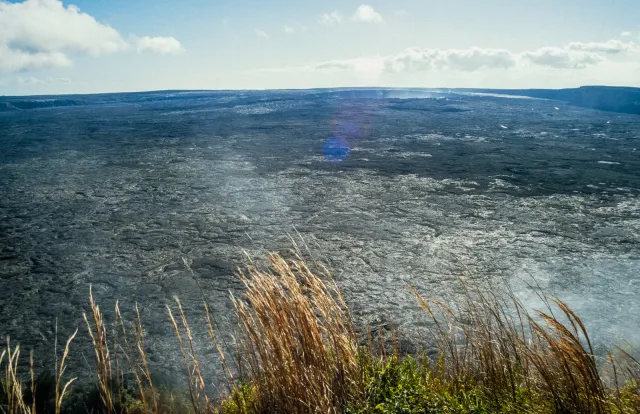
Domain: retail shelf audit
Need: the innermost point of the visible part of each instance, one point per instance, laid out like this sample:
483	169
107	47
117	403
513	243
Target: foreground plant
300	346
298	352
13	399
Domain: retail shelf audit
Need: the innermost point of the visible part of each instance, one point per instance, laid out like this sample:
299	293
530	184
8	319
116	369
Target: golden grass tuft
300	345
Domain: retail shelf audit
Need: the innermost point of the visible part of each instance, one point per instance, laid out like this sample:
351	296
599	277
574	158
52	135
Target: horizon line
343	88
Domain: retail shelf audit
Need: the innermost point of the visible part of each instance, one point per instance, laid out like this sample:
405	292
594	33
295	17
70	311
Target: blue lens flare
335	149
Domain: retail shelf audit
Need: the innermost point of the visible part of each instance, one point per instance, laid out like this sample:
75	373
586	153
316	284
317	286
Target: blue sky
83	46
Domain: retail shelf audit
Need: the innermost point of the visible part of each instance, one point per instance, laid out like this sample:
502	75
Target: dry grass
15	400
197	391
496	343
104	372
298	352
548	356
299	345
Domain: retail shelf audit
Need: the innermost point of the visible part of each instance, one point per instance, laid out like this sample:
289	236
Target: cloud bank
416	59
44	34
575	55
607	62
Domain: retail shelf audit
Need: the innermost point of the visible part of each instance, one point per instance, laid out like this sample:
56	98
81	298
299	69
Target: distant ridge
607	98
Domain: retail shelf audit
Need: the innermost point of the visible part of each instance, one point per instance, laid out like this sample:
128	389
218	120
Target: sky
90	46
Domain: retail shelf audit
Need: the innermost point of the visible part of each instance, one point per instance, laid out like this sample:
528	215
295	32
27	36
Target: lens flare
335	149
351	124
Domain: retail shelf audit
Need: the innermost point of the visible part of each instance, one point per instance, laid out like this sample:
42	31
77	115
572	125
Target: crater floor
116	190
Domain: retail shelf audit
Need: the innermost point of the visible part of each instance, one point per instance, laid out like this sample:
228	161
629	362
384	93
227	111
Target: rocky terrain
388	188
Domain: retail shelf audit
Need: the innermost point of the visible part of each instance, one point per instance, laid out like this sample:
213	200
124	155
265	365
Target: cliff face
606	98
615	99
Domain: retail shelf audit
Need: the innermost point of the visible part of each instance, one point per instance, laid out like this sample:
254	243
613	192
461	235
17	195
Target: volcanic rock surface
119	191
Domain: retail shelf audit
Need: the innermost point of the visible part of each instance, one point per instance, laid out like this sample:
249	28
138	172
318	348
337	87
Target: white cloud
366	13
262	34
612	46
578	55
369	68
557	57
416	59
330	19
625	34
32	81
575	55
15	60
159	45
298	28
45	33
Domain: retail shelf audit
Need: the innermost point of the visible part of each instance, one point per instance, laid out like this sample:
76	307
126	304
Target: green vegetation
299	353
